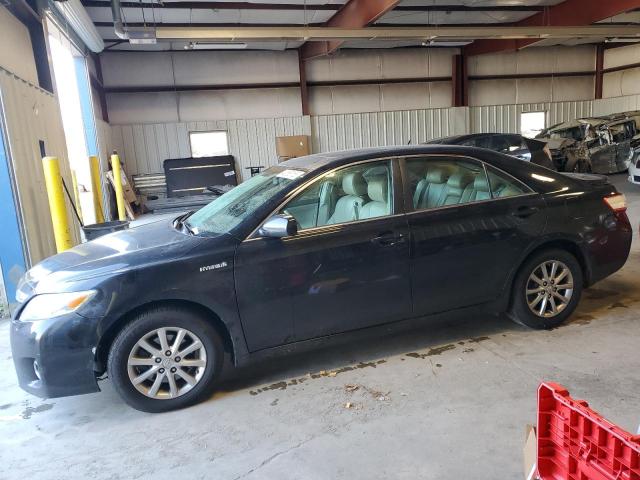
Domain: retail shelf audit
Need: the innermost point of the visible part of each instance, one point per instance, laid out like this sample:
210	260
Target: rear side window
502	185
435	183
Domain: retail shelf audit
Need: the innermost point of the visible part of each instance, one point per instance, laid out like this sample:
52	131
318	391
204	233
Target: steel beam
459	81
353	14
304	89
599	70
98	85
570	13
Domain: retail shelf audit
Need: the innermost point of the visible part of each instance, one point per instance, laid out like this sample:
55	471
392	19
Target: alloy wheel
167	363
549	288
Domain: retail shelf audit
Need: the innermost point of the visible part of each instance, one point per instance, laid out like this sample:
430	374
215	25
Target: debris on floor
312	376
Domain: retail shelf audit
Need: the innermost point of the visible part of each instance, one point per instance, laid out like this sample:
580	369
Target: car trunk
591	179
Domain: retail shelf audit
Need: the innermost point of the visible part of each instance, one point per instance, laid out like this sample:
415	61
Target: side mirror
279	226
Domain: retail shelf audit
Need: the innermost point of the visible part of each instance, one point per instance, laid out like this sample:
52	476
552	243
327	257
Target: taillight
616	202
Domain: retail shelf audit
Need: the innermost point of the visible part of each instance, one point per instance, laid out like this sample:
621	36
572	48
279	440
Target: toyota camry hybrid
313	247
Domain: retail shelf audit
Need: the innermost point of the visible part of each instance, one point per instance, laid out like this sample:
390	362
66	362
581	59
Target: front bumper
55	357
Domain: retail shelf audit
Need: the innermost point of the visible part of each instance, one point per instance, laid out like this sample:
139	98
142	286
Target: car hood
109	254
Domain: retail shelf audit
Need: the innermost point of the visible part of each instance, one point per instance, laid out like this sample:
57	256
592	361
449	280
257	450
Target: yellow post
117	180
53	180
76	194
96	187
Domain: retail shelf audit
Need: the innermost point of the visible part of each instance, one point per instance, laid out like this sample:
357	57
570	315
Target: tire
195	374
524	287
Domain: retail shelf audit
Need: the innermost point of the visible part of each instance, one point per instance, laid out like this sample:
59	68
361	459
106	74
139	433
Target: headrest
377	189
437	175
354	184
459	180
508	192
481	184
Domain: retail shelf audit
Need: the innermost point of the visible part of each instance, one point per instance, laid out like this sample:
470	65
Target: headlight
29	281
49	305
25	285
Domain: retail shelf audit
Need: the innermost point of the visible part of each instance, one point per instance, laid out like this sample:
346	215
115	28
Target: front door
346	268
468	230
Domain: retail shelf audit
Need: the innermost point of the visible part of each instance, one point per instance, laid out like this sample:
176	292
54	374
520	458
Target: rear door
466	241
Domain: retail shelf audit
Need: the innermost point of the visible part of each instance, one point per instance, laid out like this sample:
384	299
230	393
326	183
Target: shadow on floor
366	347
379	343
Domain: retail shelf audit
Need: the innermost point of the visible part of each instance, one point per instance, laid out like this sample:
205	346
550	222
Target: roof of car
322	160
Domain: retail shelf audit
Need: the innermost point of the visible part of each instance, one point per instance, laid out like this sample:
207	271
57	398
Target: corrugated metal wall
506	118
145	146
252	142
358	130
623	83
31	115
607	106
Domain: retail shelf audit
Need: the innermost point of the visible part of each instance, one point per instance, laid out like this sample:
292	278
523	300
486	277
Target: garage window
532	123
209	144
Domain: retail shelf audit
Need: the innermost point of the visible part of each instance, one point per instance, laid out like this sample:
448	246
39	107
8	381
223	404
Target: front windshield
230	209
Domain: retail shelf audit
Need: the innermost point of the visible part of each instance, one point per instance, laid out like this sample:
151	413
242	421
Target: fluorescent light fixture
79	20
621	40
215	46
142	41
142	36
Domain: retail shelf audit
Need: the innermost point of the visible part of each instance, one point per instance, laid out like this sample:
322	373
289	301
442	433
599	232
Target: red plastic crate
576	443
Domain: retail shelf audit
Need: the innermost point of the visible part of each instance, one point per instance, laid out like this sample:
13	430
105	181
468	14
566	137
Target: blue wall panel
86	106
12	258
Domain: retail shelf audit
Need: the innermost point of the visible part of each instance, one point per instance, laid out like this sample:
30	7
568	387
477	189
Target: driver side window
346	195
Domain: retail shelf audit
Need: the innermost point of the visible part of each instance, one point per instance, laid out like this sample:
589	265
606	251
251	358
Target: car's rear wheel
165	358
547	289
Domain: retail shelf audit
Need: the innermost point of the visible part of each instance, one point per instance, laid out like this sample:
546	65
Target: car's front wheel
165	358
547	289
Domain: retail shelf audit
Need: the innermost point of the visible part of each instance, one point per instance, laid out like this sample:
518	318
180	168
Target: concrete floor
429	402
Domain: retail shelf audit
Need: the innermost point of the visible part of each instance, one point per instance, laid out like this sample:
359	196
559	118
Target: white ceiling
311	15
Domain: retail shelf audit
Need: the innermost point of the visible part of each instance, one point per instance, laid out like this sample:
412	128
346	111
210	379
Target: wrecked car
598	145
635	117
634	167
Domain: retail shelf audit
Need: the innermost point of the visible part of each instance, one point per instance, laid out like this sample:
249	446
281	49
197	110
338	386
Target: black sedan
316	246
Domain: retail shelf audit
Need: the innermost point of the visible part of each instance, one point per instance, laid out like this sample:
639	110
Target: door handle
388	239
524	211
